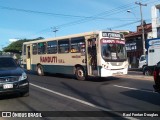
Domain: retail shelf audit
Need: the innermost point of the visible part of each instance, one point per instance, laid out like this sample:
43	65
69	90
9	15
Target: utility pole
142	25
55	30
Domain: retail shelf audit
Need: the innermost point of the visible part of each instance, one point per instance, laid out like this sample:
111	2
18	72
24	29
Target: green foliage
16	47
125	33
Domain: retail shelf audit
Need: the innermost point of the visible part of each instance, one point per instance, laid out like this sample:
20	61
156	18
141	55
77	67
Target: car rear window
7	62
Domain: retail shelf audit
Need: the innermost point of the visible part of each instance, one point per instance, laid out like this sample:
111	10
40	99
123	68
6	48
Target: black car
13	78
156	75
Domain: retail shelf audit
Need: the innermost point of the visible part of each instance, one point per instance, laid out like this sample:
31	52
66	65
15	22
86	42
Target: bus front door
28	62
92	57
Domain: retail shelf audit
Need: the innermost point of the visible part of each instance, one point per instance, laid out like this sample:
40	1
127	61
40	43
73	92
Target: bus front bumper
107	72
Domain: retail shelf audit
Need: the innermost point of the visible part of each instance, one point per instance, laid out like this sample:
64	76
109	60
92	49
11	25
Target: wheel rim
80	73
39	70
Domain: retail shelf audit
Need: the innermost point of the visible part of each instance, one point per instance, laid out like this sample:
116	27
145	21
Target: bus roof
69	36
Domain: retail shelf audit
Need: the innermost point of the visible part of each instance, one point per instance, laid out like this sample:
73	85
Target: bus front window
113	52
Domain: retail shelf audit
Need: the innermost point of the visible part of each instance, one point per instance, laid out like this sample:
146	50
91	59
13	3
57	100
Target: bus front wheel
40	70
80	74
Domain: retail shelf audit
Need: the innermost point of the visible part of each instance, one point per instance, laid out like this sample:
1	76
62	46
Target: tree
125	33
16	47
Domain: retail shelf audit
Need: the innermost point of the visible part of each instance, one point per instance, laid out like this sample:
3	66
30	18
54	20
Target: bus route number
111	35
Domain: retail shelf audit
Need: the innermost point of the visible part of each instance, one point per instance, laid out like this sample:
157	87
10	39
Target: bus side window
29	54
77	45
42	48
63	46
24	49
34	48
52	47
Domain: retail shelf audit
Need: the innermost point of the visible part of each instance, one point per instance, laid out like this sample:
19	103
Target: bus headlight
23	76
105	66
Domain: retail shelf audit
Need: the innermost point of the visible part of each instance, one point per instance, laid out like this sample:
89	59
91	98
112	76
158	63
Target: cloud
13	40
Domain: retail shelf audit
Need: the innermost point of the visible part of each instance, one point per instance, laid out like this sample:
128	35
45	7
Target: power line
113	11
110	12
40	12
94	17
48	13
56	14
126	24
106	13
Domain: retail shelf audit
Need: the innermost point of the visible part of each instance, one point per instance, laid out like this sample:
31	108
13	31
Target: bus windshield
113	52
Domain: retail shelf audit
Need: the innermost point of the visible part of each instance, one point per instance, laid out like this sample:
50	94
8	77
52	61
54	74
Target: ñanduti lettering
48	59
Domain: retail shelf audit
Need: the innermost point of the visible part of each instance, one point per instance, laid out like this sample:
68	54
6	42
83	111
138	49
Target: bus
96	53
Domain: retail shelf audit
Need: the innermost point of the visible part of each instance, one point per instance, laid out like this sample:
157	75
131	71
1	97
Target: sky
29	19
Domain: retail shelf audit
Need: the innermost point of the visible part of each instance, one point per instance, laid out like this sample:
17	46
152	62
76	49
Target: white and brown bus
100	53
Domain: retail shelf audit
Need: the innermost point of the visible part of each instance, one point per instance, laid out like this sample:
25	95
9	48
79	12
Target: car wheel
147	72
80	74
40	70
144	67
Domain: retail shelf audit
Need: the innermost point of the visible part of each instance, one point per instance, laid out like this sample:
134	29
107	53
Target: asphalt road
116	95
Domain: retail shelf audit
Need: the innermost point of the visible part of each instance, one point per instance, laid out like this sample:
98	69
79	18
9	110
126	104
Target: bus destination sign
111	35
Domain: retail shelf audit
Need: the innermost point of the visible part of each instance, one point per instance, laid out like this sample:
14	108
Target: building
155	11
134	43
134	39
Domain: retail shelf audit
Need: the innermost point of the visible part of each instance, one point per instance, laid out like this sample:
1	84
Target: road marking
83	102
134	89
137	77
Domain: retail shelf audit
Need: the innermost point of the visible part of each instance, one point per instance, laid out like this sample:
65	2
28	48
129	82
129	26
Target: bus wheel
40	70
80	74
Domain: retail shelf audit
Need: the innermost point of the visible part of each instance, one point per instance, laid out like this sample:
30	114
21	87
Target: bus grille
116	63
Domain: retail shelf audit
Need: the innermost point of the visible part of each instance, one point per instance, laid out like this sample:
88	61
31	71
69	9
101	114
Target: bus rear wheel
80	74
40	70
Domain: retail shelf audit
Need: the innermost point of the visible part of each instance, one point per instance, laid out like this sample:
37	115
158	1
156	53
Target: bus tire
80	74
40	70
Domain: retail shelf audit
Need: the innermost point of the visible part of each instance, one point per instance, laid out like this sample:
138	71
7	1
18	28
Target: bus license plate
118	73
7	86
